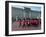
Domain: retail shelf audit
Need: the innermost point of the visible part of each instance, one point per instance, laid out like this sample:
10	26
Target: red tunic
34	22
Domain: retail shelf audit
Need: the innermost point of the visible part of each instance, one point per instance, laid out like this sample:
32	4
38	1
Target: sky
36	8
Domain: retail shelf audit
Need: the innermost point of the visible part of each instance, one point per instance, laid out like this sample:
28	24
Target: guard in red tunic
20	22
28	21
23	23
